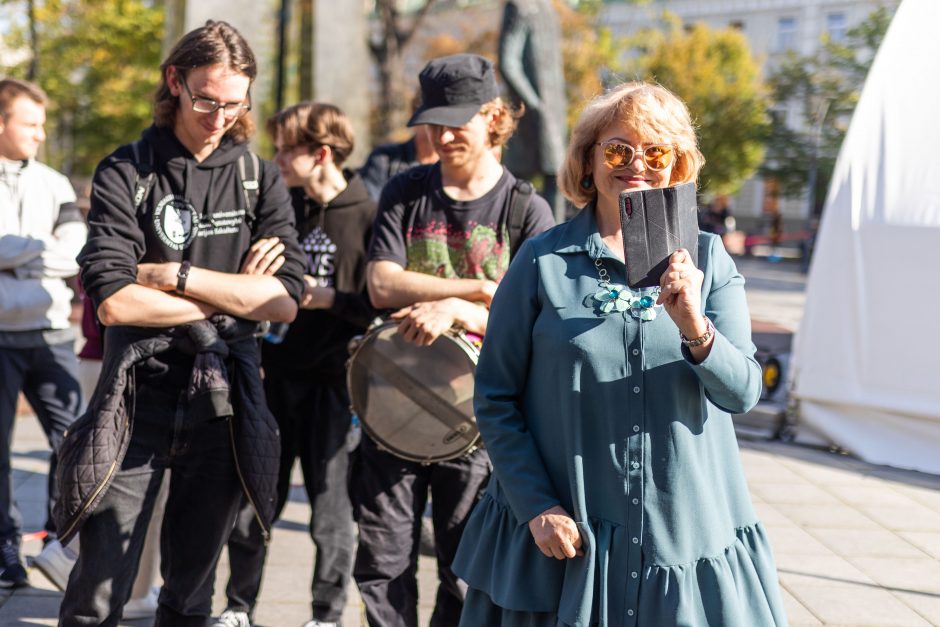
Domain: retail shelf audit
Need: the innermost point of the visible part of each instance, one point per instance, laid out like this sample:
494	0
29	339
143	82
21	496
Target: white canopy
866	360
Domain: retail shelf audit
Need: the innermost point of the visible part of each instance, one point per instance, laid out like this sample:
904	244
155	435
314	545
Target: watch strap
181	277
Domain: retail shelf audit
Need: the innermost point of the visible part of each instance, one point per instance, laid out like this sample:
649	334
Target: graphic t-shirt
334	238
423	230
320	251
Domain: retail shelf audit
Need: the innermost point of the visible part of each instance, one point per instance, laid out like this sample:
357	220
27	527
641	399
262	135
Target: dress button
636	501
636	389
635	465
636	351
629	612
636	541
636	428
634	574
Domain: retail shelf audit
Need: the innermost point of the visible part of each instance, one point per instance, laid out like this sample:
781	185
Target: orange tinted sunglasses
619	155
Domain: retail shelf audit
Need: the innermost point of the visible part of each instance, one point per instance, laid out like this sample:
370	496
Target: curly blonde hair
650	111
506	123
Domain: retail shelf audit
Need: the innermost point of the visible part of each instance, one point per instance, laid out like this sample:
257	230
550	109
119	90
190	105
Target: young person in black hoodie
305	375
178	272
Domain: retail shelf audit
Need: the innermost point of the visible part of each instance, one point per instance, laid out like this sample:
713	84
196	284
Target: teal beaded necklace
615	297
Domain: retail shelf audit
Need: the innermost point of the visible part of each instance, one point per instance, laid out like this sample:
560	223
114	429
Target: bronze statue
531	66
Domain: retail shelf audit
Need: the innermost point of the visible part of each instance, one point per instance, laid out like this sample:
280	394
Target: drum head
415	401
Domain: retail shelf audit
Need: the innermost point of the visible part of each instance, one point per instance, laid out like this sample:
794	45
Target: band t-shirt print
423	230
320	253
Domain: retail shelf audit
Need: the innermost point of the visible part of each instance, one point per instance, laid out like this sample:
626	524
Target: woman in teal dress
617	495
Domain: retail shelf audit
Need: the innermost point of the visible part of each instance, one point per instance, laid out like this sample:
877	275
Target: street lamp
815	138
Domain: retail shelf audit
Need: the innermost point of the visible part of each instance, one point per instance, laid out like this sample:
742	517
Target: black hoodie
194	211
335	239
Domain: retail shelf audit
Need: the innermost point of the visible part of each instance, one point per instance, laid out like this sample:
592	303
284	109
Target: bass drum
415	401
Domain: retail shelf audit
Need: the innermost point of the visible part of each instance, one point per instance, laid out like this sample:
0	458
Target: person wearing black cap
441	243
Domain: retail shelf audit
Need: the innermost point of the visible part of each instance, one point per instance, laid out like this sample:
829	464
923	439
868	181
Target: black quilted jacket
96	443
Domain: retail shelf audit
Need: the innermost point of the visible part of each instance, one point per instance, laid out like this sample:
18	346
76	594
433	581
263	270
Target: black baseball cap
453	89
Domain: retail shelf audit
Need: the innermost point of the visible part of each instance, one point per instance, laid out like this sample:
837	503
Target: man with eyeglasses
191	241
441	243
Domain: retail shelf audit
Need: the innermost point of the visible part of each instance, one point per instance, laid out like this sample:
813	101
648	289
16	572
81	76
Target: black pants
48	376
204	496
391	495
314	421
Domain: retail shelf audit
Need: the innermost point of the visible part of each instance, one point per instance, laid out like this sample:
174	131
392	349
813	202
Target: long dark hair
212	44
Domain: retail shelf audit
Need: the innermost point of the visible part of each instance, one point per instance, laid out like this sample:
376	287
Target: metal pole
33	68
283	19
814	157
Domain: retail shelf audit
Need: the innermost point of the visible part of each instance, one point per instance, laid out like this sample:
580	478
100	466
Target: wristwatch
181	277
698	341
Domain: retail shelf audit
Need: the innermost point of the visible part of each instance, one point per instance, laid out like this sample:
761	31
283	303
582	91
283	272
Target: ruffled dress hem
514	585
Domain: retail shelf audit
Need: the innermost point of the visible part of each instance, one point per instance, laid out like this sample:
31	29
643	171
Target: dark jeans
204	496
391	495
48	376
314	421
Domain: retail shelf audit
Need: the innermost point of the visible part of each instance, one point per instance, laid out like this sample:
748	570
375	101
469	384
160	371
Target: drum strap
419	394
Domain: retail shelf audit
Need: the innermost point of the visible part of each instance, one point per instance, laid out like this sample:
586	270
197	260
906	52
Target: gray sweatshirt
41	233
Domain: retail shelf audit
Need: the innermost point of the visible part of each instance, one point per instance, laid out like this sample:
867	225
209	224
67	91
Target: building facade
773	28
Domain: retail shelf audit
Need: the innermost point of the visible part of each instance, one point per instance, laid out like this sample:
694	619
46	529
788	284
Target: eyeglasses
230	110
619	155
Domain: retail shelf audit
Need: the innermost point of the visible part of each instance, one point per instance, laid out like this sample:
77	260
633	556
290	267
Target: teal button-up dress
609	417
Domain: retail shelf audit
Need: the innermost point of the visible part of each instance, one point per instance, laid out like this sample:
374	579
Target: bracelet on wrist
702	339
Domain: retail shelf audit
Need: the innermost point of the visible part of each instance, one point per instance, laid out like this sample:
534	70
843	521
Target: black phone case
656	222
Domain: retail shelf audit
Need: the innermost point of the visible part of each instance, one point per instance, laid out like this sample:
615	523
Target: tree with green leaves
824	88
716	75
98	60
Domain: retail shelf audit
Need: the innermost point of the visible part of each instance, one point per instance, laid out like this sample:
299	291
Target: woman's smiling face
635	174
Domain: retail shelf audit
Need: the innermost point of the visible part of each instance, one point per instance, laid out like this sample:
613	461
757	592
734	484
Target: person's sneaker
13	574
319	623
143	607
232	618
55	562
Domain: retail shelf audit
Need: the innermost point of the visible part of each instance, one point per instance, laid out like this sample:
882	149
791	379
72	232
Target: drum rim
465	344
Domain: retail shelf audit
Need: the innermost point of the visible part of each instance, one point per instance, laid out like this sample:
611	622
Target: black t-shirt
423	230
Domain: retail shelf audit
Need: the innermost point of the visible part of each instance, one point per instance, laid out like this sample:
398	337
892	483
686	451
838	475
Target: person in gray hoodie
41	232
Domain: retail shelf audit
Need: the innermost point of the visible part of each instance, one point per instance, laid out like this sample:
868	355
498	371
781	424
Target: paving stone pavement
856	544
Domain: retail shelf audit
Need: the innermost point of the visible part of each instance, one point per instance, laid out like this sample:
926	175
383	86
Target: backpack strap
519	197
249	167
144	175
